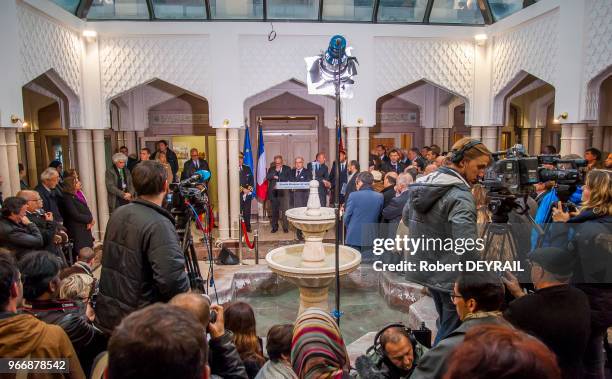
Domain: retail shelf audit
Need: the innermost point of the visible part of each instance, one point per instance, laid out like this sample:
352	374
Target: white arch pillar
537	141
31	154
364	147
525	138
99	153
579	139
476	132
598	134
566	139
86	173
4	166
13	159
489	137
233	142
427	136
222	184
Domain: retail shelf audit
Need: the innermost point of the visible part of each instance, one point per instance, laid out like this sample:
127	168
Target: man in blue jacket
361	216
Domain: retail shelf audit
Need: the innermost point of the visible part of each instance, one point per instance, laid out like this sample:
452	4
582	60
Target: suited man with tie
194	164
321	174
351	186
394	164
49	193
246	191
279	199
299	197
343	178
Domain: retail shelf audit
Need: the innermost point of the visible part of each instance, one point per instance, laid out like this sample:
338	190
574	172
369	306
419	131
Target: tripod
196	281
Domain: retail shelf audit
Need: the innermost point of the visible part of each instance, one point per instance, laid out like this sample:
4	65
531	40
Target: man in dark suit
321	175
279	199
162	145
353	170
416	159
394	164
194	164
388	191
247	184
343	178
299	197
381	153
50	194
392	213
361	216
131	162
49	229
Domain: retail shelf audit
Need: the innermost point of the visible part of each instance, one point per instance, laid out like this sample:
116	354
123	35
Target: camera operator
142	261
223	358
587	232
442	206
394	354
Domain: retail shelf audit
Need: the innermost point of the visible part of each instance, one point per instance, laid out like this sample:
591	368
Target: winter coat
23	335
142	262
440	206
20	238
76	218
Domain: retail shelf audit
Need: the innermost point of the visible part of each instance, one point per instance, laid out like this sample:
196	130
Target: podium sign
292	185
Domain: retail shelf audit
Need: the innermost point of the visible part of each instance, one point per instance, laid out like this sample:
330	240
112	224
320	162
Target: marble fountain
311	265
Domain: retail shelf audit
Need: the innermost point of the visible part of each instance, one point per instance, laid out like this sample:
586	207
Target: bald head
194	303
390	179
440	161
32	197
430	168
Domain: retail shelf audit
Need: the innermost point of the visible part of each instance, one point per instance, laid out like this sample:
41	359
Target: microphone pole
337	188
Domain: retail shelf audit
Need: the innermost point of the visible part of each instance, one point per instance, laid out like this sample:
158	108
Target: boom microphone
199	176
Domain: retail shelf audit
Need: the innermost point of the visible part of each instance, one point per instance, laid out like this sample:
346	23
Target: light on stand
331	73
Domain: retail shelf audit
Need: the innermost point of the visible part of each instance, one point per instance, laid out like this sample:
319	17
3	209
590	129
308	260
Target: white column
13	159
566	139
446	139
4	167
331	156
351	143
438	137
31	155
537	141
99	153
364	147
427	134
607	139
222	184
475	132
489	137
86	173
234	182
579	139
598	133
525	138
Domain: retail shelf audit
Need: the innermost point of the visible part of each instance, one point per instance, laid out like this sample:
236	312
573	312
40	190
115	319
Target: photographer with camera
142	261
223	358
588	233
440	205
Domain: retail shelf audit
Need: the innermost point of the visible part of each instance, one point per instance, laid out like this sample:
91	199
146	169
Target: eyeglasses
454	296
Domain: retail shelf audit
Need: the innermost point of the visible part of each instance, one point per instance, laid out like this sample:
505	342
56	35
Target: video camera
188	193
514	174
517	172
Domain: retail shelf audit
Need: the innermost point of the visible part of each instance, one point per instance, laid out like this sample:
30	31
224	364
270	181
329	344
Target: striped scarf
317	348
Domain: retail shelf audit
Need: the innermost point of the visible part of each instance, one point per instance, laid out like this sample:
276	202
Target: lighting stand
338	225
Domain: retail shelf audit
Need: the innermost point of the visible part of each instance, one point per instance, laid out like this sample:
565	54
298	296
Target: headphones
457	155
403	329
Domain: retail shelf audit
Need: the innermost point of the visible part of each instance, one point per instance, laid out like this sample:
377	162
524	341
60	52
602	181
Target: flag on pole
247	151
340	143
262	182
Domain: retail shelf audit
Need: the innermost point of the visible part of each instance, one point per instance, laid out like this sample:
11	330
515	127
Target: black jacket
142	262
19	238
388	167
351	186
76	217
388	194
70	315
51	201
189	168
322	173
48	230
245	177
283	176
343	181
223	358
392	213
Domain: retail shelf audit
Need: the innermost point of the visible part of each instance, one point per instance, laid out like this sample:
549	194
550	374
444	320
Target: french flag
262	182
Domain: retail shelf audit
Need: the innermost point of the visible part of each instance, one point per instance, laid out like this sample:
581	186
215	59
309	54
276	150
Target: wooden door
389	143
289	146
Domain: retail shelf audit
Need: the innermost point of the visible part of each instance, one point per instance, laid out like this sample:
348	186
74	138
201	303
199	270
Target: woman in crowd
80	288
278	346
588	233
240	319
163	159
493	351
76	214
317	349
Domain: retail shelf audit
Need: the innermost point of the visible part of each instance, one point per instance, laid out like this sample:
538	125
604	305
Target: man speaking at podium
279	200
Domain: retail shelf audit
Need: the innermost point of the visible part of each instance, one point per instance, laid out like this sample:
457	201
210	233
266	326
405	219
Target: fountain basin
315	223
313	281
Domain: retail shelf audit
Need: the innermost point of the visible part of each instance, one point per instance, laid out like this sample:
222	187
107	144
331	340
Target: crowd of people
142	320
